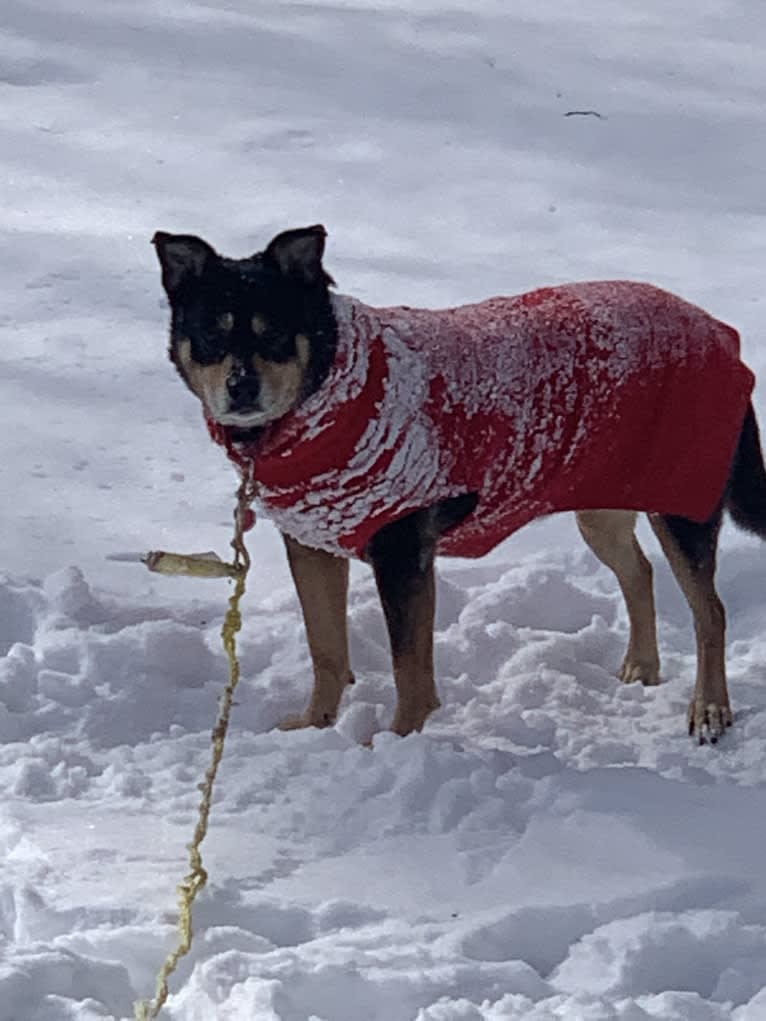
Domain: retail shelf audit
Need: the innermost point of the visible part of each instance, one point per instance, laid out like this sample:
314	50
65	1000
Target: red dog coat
586	396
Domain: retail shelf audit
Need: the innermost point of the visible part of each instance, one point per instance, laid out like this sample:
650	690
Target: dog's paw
708	720
307	719
635	668
412	717
322	710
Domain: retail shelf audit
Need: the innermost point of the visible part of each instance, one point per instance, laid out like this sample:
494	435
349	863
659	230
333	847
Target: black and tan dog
397	434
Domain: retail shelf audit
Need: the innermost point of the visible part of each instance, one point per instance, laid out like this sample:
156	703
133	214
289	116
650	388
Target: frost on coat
584	396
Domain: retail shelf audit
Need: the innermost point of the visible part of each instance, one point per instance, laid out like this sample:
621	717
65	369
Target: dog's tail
745	497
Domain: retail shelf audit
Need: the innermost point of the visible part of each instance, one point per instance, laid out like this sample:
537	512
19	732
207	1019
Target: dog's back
593	395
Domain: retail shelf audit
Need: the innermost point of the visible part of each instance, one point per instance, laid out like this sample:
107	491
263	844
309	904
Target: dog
396	434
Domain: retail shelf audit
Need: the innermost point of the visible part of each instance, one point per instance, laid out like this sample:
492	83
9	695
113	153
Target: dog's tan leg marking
611	536
709	711
321	580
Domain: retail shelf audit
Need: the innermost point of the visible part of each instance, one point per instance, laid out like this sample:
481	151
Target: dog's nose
243	389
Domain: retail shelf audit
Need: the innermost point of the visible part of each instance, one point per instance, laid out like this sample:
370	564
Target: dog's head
251	337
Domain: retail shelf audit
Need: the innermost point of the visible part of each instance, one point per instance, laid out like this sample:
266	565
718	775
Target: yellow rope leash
170	563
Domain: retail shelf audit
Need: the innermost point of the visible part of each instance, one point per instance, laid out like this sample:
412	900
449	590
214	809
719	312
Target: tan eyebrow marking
225	321
259	325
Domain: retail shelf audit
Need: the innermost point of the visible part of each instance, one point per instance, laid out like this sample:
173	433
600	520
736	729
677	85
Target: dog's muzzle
243	389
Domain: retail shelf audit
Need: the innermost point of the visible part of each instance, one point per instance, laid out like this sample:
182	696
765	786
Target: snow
552	846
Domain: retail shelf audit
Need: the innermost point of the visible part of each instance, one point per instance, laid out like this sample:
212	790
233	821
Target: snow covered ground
552	846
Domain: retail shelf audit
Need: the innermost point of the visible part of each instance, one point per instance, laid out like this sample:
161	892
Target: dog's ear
298	254
182	257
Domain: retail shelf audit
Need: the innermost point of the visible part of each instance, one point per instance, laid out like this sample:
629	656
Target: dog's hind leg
321	580
611	536
691	552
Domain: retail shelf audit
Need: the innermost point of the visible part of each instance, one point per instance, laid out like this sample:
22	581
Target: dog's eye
273	344
209	348
276	347
212	336
210	341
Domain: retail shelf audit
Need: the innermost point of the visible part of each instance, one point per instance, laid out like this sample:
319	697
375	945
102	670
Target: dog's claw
708	721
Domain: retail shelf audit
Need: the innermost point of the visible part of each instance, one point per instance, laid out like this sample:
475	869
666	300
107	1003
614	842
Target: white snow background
552	846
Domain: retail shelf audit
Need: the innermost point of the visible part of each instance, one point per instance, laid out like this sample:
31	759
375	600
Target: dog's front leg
321	580
402	557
